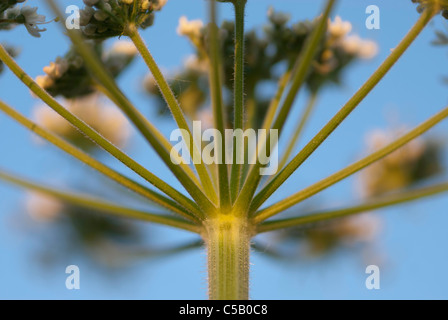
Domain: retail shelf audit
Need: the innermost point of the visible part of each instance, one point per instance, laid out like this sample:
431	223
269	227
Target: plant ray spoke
99	205
351	169
323	134
95	164
160	144
373	204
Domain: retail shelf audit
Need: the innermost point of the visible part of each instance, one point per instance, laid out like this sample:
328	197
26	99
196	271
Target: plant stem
173	105
304	117
90	133
298	77
95	164
351	169
273	106
8	21
218	110
323	134
155	138
238	93
100	205
227	238
372	204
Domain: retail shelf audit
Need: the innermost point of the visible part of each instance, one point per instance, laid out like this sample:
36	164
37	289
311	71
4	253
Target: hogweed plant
229	181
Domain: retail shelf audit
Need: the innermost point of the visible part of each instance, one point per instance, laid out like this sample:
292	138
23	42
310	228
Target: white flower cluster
190	28
104	118
339	32
397	170
43	208
53	72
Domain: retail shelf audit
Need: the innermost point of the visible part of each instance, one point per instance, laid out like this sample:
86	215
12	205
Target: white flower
42	207
106	119
393	171
339	28
56	69
12	13
123	47
368	49
191	29
193	63
32	19
365	49
44	81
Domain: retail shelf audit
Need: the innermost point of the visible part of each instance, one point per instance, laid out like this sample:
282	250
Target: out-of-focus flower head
339	50
440	5
321	239
106	119
102	19
441	40
189	86
192	29
68	76
267	54
412	163
347	232
42	207
81	230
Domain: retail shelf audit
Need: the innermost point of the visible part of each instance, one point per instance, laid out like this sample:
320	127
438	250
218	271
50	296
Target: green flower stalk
223	204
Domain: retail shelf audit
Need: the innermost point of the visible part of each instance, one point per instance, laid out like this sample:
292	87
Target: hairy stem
227	238
218	110
238	93
304	117
298	77
176	110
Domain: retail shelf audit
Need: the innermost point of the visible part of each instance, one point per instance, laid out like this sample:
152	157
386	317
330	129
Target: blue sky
413	259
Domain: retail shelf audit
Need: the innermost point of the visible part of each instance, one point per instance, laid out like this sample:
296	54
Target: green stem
160	144
238	93
323	134
95	136
175	109
304	117
227	238
372	204
273	106
351	169
100	205
218	110
251	109
95	164
298	77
